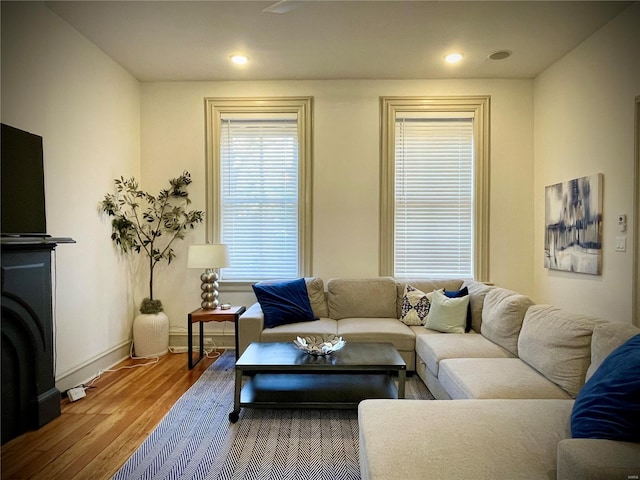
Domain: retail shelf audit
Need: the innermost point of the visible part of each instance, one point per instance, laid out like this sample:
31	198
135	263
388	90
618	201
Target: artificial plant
148	224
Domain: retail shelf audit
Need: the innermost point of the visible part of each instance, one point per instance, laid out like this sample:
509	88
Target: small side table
218	315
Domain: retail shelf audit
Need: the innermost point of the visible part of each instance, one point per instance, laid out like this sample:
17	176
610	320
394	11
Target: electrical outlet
208	342
76	393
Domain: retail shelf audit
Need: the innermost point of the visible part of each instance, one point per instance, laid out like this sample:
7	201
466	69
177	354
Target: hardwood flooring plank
74	459
110	459
90	445
95	435
70	426
29	467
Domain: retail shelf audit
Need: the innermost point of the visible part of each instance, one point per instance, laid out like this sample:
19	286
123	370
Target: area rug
195	440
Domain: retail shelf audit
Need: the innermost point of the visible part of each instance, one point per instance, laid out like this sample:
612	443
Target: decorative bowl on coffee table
316	345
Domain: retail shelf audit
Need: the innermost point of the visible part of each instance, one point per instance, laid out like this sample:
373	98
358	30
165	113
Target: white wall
575	119
58	85
345	173
87	108
90	112
583	122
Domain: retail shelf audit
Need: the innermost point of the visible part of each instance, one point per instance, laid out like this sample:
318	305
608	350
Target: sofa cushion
586	458
608	406
366	297
557	343
415	306
420	330
607	336
434	348
477	293
317	297
471	439
447	315
423	285
377	330
465	378
287	333
502	317
284	302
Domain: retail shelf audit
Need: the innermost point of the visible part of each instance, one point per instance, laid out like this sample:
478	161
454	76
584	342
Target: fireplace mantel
8	241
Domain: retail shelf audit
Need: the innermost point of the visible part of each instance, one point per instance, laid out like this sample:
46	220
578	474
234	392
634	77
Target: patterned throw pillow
415	306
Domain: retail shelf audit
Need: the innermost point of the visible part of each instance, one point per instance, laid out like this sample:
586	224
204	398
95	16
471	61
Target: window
434	201
259	167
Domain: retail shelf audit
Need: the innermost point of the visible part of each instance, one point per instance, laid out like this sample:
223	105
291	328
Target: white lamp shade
212	255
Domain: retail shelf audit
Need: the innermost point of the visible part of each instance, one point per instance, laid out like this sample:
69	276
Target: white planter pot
151	334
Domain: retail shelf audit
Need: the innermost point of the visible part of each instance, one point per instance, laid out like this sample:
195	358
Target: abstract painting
573	225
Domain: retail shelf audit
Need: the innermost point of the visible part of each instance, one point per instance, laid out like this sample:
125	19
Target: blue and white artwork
573	225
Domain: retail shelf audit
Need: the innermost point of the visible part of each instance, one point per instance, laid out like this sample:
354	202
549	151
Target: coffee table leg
235	415
402	375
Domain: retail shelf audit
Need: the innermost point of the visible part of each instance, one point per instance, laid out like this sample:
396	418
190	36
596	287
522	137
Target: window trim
479	105
215	107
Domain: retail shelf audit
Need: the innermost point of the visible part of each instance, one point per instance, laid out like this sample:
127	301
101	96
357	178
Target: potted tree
147	224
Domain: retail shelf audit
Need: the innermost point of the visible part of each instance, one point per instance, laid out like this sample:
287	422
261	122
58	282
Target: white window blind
259	195
433	213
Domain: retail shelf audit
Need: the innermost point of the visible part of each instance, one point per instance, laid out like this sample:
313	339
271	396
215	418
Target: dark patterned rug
195	440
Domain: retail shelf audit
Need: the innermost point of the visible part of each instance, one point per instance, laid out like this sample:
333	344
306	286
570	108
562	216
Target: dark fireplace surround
30	398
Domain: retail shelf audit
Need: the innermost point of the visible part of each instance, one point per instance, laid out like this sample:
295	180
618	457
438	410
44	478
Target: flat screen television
23	201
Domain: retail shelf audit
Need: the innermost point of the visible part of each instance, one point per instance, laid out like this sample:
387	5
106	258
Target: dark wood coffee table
281	376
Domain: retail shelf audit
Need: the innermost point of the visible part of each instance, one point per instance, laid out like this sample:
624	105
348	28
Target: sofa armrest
594	459
250	326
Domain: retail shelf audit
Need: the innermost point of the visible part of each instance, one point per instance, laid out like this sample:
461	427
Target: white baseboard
89	369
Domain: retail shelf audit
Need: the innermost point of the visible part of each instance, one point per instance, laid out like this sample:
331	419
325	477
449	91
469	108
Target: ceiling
322	39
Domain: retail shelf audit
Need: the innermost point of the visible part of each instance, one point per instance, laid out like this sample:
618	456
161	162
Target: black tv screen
23	206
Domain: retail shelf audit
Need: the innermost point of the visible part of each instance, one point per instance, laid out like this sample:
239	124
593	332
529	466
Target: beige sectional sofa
513	385
509	383
359	310
541	352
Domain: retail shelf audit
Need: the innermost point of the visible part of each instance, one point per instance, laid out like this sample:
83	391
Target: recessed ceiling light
239	59
453	57
500	55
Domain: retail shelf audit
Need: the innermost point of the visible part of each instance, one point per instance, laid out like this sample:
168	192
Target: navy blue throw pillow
608	406
284	302
462	293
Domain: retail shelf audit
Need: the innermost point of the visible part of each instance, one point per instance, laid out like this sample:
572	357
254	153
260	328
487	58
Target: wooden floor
94	436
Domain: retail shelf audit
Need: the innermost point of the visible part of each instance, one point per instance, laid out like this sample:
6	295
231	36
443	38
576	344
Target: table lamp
209	256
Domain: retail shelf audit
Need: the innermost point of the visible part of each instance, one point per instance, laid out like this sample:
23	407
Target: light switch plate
621	244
